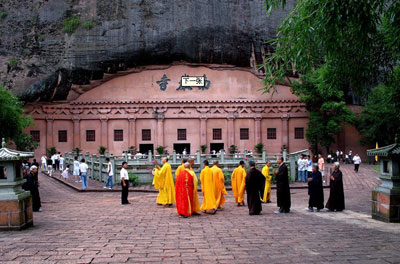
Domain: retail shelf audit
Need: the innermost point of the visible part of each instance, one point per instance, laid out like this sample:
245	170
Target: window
35	135
299	132
181	134
62	135
146	134
217	133
244	134
271	133
118	135
90	135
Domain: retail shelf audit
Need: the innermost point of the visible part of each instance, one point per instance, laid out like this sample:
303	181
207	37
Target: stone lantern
386	197
15	203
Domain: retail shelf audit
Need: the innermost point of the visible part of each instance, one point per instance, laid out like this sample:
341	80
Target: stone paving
94	227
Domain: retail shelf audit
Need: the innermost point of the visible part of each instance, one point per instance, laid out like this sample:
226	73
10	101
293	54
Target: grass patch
13	62
88	25
71	24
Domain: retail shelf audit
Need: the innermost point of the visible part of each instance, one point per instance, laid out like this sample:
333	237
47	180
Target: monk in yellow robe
219	181
267	189
180	168
196	205
165	184
238	179
209	204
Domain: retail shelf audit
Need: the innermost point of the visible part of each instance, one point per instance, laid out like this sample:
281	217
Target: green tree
338	49
14	121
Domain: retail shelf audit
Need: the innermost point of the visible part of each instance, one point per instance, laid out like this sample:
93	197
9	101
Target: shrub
88	25
71	24
102	150
51	151
40	38
132	150
259	148
3	14
232	149
13	62
133	179
77	151
160	150
203	148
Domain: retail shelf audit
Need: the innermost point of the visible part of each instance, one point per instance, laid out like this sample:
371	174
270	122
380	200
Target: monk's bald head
187	165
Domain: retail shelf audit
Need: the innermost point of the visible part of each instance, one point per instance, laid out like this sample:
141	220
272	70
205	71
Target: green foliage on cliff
88	25
13	121
71	24
3	14
13	62
338	49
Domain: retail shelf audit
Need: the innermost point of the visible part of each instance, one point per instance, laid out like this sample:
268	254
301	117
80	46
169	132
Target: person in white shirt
61	163
76	169
351	155
300	168
337	155
125	183
57	161
309	167
65	173
44	162
84	168
110	174
357	162
321	166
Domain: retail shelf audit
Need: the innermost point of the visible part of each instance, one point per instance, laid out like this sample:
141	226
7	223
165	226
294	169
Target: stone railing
143	165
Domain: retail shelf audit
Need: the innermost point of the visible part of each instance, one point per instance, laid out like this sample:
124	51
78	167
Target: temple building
180	106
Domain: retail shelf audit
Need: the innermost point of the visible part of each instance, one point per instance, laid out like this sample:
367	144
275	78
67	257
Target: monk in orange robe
239	183
219	181
209	204
184	192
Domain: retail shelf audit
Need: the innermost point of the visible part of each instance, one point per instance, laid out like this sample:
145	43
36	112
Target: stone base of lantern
386	205
15	209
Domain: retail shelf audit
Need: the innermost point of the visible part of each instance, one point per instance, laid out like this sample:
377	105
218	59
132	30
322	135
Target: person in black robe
315	190
254	188
336	194
282	187
32	185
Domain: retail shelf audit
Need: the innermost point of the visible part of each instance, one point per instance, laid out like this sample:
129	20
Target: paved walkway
94	227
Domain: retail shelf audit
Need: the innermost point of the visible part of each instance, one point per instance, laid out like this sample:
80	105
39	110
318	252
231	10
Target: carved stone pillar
49	135
132	132
285	130
257	130
160	131
231	131
77	133
104	132
203	130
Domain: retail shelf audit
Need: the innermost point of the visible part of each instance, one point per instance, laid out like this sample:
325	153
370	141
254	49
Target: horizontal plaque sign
193	81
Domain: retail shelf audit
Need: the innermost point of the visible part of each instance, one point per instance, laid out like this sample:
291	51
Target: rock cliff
47	46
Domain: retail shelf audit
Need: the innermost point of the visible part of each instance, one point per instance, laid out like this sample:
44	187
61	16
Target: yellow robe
165	184
196	203
179	170
267	189
219	182
238	184
207	187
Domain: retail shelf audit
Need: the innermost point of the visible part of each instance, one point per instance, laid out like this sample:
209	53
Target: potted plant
203	148
102	150
132	150
160	150
77	151
232	149
259	148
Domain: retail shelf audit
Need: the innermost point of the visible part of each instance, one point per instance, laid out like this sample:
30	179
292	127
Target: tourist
321	166
255	182
53	160
50	167
266	197
309	167
43	160
351	155
185	192
35	163
180	168
338	156
110	174
282	187
33	187
300	168
57	161
341	156
125	183
76	169
164	182
315	190
209	204
336	193
83	168
61	163
238	179
184	152
347	159
357	162
329	158
65	173
219	181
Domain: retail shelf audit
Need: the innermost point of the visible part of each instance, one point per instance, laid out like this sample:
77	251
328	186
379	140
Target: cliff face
48	46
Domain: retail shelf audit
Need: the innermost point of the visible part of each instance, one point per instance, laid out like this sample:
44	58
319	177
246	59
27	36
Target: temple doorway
216	146
145	148
180	147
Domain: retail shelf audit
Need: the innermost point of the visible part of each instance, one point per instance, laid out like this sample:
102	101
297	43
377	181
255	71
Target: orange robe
196	203
207	187
238	184
184	193
219	181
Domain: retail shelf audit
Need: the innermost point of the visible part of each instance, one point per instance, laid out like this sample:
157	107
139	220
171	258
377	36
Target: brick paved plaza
94	227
